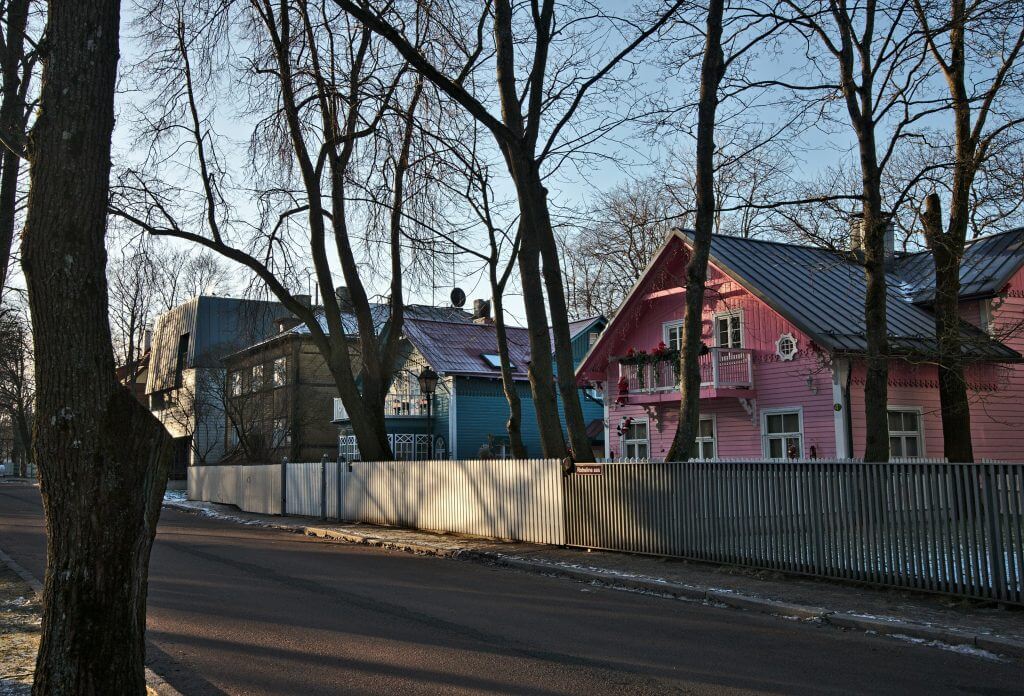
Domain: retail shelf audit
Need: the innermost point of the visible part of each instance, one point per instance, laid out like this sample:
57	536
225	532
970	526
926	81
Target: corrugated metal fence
954	528
936	526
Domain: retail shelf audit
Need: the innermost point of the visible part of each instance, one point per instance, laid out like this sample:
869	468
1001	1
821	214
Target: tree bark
102	456
711	73
515	437
953	397
12	125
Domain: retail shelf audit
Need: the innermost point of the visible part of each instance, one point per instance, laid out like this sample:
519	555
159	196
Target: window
404	447
729	330
782	432
235	379
257	378
494	360
181	360
905	438
635	444
348	448
280	376
786	347
672	334
280	436
704	446
592	338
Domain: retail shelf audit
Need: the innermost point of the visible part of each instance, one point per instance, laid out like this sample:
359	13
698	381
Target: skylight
493	360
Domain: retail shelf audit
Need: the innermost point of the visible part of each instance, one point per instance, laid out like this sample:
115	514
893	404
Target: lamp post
428	384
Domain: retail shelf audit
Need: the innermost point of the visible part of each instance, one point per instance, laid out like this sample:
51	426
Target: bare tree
539	127
102	456
17	384
977	47
335	144
17	62
606	256
870	58
712	71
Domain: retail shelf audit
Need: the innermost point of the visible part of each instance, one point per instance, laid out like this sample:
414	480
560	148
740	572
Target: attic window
494	360
786	346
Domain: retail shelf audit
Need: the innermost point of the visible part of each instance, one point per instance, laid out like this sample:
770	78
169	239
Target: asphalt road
244	610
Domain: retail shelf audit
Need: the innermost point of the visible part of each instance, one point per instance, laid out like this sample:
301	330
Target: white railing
720	368
396	404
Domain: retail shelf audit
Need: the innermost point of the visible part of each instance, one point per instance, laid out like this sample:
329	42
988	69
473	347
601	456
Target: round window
786	347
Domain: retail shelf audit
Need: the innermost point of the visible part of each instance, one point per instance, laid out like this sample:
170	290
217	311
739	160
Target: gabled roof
583	325
454	348
988	264
822	293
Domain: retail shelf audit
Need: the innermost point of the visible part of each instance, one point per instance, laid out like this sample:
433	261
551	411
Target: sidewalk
963	625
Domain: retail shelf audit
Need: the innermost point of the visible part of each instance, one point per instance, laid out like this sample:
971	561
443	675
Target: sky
630	154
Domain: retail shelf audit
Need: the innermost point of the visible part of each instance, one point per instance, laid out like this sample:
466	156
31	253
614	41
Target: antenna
458	297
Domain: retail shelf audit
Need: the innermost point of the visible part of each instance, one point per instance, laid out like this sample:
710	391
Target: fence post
284	486
340	462
323	487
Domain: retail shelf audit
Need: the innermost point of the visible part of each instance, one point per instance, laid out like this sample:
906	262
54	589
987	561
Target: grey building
186	384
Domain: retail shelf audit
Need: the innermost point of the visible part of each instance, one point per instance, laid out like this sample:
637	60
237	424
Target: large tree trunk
102	457
12	124
953	397
876	386
515	437
554	284
711	73
542	379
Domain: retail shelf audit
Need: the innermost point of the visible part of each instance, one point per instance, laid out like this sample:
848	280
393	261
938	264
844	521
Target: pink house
782	374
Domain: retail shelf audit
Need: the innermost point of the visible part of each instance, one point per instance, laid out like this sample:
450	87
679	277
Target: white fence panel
260	488
508	499
302	492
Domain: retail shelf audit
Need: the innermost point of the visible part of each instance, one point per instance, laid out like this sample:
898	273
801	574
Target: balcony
396	404
723	372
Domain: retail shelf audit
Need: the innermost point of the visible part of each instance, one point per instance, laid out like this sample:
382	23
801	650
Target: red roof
457	347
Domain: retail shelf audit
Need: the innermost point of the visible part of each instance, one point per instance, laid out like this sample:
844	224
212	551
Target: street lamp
428	384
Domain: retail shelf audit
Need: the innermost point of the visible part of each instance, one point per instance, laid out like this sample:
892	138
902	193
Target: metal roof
454	348
215	326
823	293
988	264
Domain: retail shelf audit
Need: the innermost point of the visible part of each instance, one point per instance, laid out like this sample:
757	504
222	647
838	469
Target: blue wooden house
469	412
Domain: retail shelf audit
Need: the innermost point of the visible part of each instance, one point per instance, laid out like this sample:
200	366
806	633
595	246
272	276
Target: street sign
589	469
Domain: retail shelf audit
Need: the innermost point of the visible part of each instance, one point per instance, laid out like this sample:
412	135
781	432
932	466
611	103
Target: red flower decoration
630	353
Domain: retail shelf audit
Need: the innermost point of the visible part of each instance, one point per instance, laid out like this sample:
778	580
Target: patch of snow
175	496
962	649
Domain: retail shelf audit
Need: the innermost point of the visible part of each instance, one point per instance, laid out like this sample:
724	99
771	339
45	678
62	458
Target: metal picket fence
935	526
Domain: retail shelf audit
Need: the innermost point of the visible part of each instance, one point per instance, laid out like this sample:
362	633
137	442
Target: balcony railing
396	404
720	368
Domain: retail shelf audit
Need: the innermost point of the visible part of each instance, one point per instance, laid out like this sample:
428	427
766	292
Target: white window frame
626	441
738	313
667	327
904	433
699	440
256	383
765	449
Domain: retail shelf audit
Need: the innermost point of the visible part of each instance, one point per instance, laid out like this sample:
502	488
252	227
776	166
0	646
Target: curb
154	682
888	627
869	624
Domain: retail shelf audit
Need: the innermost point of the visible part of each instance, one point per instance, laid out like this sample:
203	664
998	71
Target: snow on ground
175	496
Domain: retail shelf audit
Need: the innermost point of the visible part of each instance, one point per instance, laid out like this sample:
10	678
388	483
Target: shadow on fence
934	526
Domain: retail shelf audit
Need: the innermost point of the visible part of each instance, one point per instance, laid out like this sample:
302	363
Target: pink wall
997	391
778	384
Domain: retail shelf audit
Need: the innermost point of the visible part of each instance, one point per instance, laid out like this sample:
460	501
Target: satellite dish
458	297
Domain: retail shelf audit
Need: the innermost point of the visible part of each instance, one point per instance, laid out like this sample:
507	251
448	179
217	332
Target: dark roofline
758	292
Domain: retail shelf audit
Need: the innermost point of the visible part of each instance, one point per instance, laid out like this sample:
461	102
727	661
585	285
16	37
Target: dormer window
494	360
